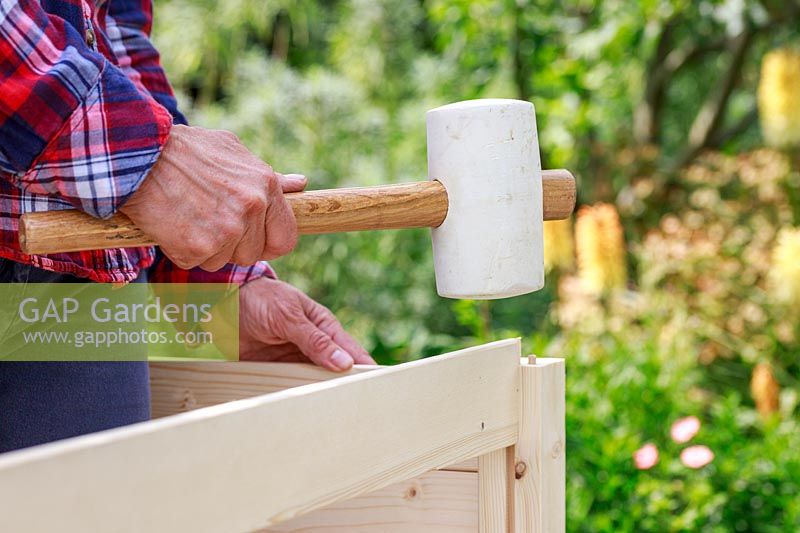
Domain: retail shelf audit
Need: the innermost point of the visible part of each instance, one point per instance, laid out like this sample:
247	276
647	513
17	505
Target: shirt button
90	37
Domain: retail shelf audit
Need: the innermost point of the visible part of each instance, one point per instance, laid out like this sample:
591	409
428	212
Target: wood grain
410	205
407	205
178	387
181	386
495	476
559	194
436	502
540	455
259	461
470	465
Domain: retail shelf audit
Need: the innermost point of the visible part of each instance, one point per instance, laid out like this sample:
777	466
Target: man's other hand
209	201
277	322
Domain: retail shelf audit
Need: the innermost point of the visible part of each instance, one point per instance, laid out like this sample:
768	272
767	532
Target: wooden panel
495	473
177	387
540	455
254	462
436	502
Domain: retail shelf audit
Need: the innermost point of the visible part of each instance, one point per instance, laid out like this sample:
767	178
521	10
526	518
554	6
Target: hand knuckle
248	256
200	250
185	264
215	241
229	229
213	267
273	183
318	342
183	260
253	201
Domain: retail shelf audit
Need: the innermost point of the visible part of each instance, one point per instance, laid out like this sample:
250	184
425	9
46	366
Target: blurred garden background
674	294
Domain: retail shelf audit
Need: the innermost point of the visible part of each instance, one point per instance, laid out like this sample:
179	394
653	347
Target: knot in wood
519	469
189	401
558	449
411	493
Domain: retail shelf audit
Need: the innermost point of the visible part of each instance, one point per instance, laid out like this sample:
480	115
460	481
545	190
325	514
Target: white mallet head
486	154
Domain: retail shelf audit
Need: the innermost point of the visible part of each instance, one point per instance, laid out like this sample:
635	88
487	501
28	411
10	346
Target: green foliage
628	95
622	394
684	342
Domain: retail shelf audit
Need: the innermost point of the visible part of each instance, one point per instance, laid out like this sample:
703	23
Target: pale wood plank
255	462
177	387
436	502
540	455
494	476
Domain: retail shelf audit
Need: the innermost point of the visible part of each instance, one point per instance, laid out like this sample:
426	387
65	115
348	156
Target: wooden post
495	491
540	485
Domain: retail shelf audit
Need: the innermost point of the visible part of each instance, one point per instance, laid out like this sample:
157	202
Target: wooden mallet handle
408	205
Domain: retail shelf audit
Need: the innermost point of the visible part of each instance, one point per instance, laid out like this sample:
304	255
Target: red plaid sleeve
128	26
165	271
72	124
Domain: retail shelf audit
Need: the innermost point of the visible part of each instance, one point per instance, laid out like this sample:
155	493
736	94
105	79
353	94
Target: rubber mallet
485	199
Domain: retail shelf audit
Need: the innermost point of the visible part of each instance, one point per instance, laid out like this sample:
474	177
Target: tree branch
712	111
685	55
647	116
734	131
662	67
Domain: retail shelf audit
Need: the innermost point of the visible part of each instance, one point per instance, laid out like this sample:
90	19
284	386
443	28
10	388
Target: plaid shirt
85	109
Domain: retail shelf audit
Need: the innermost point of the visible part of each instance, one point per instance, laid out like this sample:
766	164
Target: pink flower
684	429
646	457
697	456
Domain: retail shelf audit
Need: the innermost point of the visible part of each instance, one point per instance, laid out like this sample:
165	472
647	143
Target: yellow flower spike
765	389
600	247
784	274
559	245
778	100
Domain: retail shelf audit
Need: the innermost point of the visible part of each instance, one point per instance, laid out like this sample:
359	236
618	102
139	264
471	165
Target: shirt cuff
165	271
104	150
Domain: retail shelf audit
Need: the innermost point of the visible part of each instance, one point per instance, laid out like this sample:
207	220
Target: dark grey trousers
46	401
